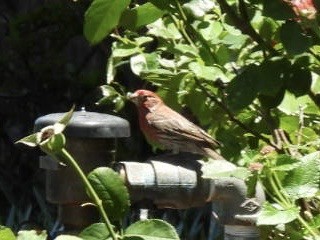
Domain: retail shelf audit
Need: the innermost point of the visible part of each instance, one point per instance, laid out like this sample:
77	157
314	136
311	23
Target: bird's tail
213	154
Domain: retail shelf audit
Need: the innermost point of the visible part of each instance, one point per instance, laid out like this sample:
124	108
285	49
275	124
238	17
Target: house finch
163	126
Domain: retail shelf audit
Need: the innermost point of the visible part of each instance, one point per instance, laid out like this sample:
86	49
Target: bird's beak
133	97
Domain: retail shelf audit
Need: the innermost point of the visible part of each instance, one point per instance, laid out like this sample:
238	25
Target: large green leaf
140	16
153	229
96	231
285	163
303	181
271	75
292	105
299	80
31	235
217	169
243	89
294	38
6	233
277	9
163	28
111	190
206	72
269	102
199	8
162	4
101	17
274	214
68	237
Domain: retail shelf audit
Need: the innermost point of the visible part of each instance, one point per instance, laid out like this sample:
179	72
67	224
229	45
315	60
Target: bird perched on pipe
164	127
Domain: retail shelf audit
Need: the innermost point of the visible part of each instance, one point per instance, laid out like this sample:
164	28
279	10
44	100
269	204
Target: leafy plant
248	71
104	187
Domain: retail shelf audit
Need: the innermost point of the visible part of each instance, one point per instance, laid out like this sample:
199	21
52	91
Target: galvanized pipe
174	181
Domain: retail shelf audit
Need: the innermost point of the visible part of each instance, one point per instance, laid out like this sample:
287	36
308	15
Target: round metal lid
88	124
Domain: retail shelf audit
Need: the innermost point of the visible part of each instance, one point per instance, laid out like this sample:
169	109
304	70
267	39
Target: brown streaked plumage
163	126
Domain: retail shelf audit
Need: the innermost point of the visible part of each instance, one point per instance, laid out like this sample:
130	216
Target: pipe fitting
174	181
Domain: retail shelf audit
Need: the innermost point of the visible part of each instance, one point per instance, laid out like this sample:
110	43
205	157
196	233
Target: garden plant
247	71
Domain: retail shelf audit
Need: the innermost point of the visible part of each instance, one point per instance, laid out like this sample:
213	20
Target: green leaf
153	229
242	89
234	41
53	144
121	50
192	98
31	140
278	10
289	123
270	102
162	4
68	237
268	28
140	16
96	231
292	105
285	163
271	75
66	117
145	63
133	238
273	214
232	143
31	235
219	169
165	29
206	72
142	40
303	181
101	17
111	97
210	30
111	190
6	233
294	38
198	8
300	80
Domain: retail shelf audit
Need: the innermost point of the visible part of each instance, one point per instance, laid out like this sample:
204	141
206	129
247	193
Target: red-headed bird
163	126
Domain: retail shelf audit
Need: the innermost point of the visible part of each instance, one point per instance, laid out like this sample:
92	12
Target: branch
315	98
244	24
233	118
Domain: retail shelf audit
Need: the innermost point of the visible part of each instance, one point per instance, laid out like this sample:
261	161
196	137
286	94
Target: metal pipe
174	181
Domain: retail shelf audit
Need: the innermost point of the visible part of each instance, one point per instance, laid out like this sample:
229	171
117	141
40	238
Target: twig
212	59
244	25
314	97
233	118
301	125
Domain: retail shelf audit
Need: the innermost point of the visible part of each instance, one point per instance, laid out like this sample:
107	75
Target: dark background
46	65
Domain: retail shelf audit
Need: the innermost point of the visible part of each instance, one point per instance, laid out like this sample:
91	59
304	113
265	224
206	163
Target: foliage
43	55
105	188
248	71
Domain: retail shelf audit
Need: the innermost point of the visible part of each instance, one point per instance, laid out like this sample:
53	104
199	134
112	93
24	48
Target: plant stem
191	29
63	154
276	185
182	31
244	25
316	234
232	117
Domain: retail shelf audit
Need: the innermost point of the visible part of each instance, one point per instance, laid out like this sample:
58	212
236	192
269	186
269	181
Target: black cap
88	125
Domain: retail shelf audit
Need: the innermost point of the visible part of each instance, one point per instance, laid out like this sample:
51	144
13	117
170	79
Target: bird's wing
177	126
